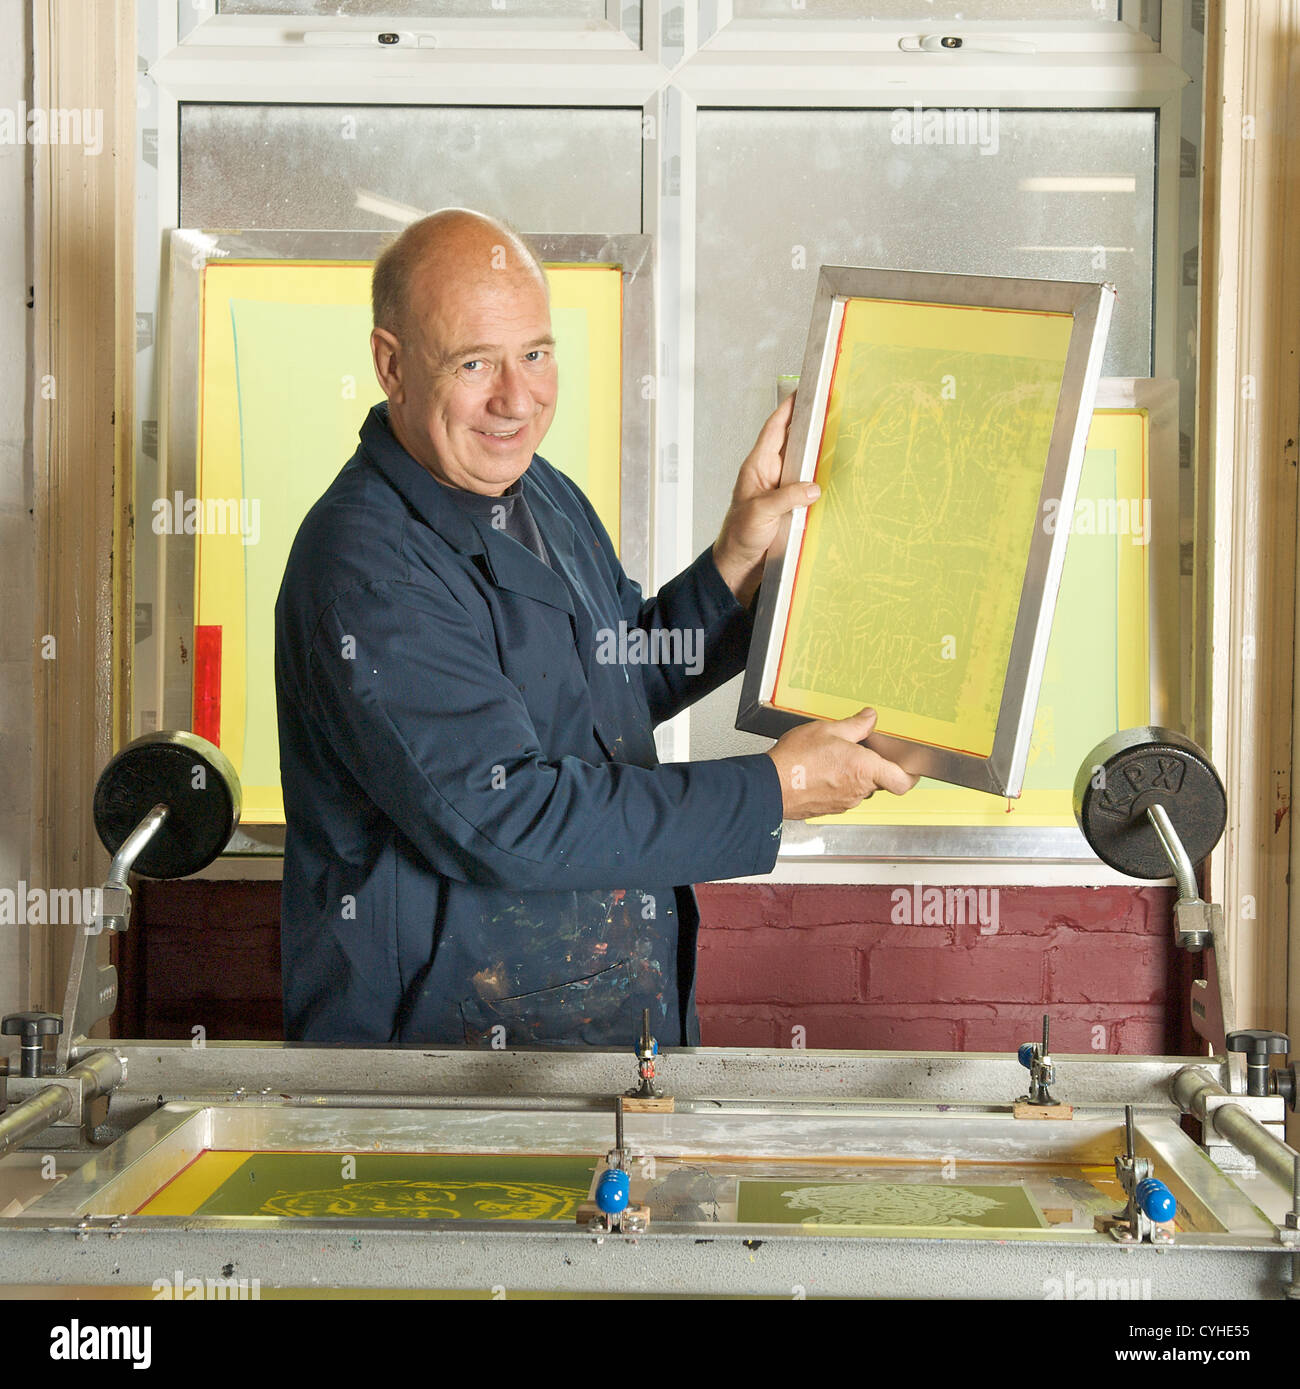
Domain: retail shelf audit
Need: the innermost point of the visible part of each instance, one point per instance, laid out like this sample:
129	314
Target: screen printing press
164	1169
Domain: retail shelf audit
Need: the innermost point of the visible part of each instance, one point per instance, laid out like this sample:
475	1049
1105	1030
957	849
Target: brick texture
771	966
937	970
1001	970
848	965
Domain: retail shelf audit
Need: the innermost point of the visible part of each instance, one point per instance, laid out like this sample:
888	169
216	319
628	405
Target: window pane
927	13
423	9
356	168
1037	194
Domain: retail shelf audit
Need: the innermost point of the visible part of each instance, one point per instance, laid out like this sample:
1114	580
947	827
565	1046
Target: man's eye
472	365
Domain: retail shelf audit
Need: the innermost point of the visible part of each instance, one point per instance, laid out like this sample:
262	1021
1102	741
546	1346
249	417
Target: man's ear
386	352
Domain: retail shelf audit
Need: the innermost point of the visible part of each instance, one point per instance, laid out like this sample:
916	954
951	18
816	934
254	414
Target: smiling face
472	384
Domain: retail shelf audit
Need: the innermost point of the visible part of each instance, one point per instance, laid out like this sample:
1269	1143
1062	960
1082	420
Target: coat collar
511	566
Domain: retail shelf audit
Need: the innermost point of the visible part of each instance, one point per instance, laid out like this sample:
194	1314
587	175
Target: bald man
482	847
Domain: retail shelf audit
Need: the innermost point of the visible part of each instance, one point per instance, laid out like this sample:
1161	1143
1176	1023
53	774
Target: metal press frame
866	1097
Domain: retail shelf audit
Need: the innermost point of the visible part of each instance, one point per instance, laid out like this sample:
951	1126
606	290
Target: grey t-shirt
509	513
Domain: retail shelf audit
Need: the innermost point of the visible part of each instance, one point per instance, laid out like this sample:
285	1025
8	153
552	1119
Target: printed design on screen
911	1205
889	1204
433	1186
433	1201
918	507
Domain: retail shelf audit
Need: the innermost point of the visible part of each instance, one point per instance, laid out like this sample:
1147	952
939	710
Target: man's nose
513	395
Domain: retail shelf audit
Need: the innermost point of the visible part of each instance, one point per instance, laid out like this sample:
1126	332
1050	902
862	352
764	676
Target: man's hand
823	770
758	502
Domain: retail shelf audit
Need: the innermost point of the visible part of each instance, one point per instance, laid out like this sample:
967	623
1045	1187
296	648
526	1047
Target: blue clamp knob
1155	1200
1025	1054
612	1191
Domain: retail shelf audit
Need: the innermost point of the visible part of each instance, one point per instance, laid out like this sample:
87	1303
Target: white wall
17	563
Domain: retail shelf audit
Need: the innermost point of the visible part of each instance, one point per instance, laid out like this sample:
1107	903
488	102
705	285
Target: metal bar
135	842
1184	873
713	1072
98	1074
1274	1158
566	1104
34	1116
703	1260
1189	1089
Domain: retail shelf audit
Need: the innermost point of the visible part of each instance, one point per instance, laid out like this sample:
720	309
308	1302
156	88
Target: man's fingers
779	420
839	772
772	505
764	461
889	776
795	494
855	729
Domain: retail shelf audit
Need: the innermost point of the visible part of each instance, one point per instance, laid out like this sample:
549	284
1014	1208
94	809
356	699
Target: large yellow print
931	465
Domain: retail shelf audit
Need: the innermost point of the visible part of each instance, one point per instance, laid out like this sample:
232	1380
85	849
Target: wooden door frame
83	375
1248	422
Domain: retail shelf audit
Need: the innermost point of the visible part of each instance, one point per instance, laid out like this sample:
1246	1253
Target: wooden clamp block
1023	1110
636	1105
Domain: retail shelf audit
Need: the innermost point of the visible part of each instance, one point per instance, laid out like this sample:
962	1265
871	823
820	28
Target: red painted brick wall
828	959
201	954
848	966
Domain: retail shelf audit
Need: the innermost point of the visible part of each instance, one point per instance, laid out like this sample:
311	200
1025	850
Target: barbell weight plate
1137	768
188	774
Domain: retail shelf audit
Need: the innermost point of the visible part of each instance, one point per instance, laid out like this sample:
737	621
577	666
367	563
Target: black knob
32	1028
1259	1044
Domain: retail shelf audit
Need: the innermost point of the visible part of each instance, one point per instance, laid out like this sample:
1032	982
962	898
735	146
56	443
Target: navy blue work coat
480	838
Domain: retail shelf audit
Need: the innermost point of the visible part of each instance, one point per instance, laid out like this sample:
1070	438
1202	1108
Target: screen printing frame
1002	771
189	251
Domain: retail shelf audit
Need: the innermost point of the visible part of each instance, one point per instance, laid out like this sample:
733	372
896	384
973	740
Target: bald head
456	247
463	348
